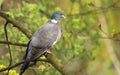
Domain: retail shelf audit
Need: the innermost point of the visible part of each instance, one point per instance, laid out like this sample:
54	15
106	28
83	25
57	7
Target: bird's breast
46	36
58	37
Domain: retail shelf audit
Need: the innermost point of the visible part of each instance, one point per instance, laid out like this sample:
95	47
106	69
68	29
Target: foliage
11	72
81	45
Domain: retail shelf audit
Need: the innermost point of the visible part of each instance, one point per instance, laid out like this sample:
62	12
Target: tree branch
54	61
11	43
19	63
15	23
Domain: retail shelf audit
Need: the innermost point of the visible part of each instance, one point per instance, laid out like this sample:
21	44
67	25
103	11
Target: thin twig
10	54
8	68
19	63
12	43
96	11
46	14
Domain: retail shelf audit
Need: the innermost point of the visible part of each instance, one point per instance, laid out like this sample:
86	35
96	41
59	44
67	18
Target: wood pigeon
45	37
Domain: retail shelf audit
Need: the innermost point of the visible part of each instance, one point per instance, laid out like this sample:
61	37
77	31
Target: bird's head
57	15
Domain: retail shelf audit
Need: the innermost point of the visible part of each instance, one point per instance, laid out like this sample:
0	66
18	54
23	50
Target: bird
43	39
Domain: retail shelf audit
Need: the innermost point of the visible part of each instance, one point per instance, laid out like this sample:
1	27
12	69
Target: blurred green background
90	41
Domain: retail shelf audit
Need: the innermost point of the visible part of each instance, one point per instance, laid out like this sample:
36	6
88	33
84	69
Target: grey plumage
45	37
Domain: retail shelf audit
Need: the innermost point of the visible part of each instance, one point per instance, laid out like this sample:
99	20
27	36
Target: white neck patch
53	21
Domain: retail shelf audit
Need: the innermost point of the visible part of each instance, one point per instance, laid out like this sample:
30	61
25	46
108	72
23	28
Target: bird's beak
63	16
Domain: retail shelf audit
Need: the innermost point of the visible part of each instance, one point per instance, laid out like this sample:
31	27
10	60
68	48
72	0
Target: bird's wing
42	40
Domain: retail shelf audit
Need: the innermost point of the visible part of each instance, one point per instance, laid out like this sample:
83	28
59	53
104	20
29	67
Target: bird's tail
24	66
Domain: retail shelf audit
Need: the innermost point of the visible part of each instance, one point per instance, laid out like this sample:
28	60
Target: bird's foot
49	52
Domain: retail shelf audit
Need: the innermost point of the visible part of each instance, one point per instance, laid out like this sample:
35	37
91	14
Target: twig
10	54
96	11
46	14
11	43
107	35
19	63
